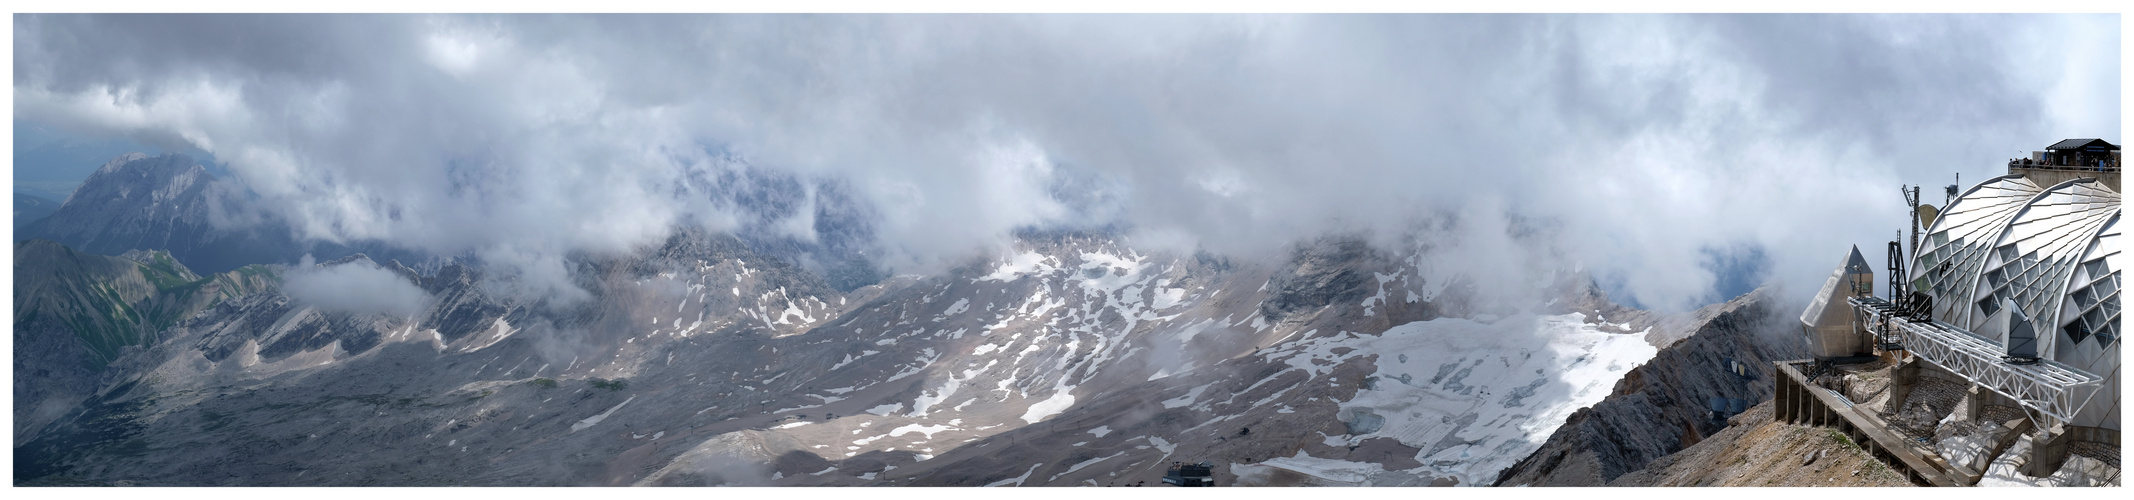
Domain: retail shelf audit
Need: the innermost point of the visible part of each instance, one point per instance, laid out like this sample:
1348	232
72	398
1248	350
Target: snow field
1477	396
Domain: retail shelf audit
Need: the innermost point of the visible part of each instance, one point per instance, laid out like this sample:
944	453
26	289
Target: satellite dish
1927	214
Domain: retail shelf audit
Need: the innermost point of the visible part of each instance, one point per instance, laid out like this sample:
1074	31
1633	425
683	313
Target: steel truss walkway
2049	387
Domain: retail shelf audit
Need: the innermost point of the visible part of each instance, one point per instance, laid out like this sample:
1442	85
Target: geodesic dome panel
1950	258
2052	254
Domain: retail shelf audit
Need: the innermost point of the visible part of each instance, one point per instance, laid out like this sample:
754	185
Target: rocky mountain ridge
743	358
1665	406
76	313
1077	360
171	203
168	203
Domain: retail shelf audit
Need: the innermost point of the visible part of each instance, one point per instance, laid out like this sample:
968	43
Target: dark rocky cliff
1662	407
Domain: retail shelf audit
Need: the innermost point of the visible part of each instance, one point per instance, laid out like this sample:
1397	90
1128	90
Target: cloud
359	287
1649	139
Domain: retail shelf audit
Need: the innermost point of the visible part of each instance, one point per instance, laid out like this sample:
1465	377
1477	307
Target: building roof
1829	319
2051	253
1953	254
1856	264
2073	144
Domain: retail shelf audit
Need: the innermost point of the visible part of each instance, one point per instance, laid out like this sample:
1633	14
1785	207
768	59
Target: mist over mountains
958	250
1655	140
171	203
1076	359
1072	357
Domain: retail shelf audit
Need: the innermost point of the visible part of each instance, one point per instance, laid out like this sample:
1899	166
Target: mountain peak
120	162
162	202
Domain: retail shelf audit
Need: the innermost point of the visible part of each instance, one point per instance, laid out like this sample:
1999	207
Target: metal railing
2105	166
2047	386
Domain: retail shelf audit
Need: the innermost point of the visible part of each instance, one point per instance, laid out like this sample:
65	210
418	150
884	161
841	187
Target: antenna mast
1896	270
1911	206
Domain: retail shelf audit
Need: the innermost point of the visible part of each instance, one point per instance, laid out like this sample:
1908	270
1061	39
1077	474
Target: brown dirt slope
1754	450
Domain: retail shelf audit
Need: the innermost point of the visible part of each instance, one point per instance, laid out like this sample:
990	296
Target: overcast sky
1655	140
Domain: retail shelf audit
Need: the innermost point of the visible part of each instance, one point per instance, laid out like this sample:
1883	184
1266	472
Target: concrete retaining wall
1799	401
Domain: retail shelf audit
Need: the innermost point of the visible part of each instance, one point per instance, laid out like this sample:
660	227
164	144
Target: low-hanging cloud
359	287
1650	140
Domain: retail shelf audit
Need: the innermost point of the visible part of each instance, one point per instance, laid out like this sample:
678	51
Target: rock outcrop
1665	406
75	313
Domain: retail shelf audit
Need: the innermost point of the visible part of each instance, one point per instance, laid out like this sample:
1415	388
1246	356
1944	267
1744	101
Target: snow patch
1186	399
1168	298
593	420
928	430
1059	402
959	307
1084	463
927	359
850	358
1019	265
885	410
1161	445
1018	480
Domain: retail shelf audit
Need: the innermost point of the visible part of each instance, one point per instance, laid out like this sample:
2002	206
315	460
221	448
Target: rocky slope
1757	451
1665	406
1074	360
75	313
756	358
